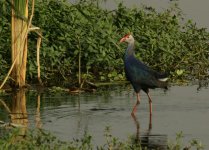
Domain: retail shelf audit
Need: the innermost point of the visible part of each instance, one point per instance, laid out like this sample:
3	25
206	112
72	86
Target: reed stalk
19	41
38	60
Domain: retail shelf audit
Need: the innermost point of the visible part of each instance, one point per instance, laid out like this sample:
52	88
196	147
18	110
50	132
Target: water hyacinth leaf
179	72
162	40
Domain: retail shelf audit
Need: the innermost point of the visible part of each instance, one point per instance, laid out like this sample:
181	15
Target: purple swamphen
140	75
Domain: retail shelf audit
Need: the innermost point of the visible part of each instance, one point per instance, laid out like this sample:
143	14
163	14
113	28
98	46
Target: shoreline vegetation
41	139
80	43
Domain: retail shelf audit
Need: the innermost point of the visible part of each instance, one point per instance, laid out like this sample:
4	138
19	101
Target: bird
141	76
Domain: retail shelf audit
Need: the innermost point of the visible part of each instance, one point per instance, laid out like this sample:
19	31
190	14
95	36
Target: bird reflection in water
147	140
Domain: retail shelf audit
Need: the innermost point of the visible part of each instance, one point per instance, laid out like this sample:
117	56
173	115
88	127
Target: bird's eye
127	36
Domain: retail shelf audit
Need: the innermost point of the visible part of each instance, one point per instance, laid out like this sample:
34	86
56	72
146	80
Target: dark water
181	108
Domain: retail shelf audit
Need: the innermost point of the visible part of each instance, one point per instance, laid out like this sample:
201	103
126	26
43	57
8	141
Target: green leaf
179	72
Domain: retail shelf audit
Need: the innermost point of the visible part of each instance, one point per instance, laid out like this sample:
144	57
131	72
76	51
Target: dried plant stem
9	72
5	106
21	47
38	60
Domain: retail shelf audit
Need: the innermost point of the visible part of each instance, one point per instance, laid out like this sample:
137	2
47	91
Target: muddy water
181	108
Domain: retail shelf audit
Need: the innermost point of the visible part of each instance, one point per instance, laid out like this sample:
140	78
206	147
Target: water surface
69	116
197	10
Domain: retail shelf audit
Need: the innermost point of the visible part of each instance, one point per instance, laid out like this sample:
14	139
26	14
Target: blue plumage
139	74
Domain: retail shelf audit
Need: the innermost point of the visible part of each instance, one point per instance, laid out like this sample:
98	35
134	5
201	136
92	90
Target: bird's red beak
123	39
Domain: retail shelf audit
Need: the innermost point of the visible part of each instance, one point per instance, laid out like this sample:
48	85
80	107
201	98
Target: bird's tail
162	76
162	84
162	80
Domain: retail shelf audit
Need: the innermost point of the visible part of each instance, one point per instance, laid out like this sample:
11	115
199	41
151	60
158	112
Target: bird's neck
130	49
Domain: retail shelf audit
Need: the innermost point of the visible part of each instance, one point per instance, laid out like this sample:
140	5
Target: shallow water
181	108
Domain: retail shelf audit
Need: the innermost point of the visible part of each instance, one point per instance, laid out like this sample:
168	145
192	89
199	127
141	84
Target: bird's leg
150	122
137	103
150	104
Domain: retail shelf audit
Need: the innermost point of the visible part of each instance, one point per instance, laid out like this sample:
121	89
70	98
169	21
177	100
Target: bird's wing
137	72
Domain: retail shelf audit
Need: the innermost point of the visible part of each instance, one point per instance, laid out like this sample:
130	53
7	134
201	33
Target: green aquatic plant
178	143
43	140
83	36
